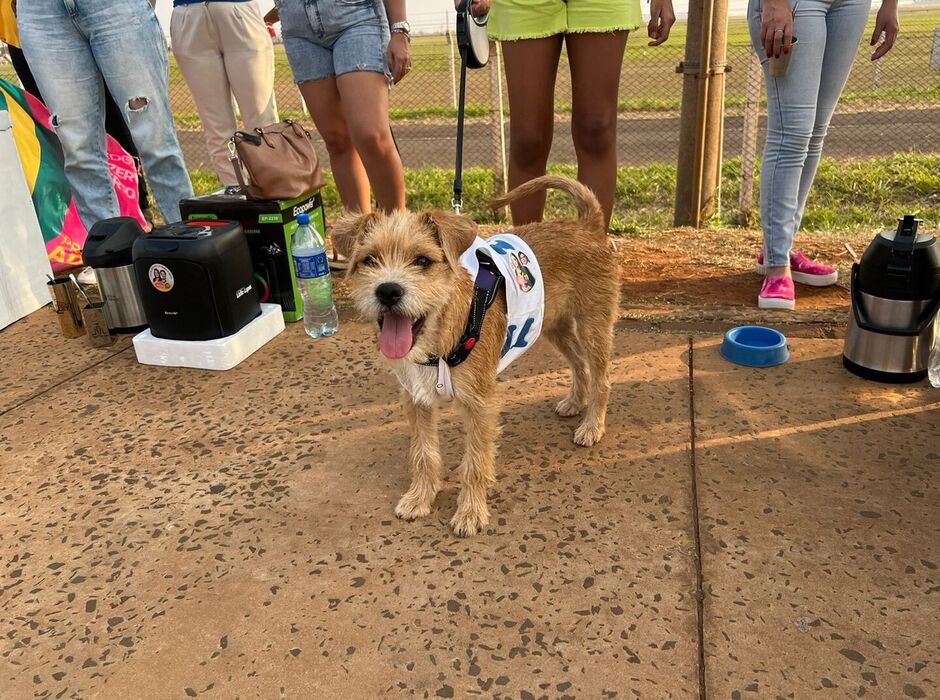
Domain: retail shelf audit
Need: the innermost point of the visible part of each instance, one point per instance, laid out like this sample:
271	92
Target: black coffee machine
196	280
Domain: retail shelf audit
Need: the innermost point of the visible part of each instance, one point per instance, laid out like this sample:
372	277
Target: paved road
650	139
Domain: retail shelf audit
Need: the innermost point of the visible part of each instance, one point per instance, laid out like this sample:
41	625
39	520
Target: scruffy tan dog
404	274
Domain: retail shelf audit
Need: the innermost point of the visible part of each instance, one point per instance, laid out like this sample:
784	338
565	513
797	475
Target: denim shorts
325	38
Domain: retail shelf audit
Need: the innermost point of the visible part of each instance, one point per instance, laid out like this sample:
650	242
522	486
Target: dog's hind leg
425	461
478	468
564	337
597	342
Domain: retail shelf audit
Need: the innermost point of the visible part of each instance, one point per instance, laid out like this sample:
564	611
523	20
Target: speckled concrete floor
183	532
820	512
174	533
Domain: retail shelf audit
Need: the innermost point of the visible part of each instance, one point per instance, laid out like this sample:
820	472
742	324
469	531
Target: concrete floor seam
696	532
62	382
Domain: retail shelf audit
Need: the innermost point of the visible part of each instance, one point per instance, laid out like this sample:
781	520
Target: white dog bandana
525	298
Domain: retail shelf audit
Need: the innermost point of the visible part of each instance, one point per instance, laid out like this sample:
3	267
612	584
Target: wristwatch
402	27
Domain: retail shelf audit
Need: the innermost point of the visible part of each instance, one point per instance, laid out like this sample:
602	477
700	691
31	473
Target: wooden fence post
497	122
753	81
453	68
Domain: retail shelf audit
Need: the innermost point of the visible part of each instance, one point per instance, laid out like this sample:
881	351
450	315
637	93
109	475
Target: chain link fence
888	107
891	106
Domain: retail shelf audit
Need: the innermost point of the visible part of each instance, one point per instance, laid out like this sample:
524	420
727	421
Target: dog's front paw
413	505
469	521
568	407
588	434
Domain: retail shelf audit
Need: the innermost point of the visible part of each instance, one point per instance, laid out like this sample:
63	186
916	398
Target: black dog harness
485	287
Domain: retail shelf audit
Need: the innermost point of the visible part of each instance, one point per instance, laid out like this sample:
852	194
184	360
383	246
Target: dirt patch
689	280
716	268
703	280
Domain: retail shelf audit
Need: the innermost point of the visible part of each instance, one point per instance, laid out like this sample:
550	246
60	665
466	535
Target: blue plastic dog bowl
755	346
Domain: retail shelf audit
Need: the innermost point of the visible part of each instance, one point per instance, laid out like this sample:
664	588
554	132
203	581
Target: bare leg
595	60
425	462
531	67
365	106
478	468
323	100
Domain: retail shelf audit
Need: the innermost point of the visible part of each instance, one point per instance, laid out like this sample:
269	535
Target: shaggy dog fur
404	271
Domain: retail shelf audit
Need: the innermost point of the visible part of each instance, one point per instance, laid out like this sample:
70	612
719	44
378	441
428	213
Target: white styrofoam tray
218	354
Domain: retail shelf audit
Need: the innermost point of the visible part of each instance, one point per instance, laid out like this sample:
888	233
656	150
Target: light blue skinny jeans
799	107
75	46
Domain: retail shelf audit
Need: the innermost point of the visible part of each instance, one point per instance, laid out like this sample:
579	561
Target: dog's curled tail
589	209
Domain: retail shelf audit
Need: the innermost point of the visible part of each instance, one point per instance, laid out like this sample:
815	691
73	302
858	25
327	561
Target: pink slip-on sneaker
804	270
777	293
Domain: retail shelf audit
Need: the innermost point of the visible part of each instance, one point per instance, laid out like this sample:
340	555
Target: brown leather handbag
276	161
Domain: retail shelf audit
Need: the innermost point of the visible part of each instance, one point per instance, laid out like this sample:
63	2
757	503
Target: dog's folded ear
454	233
348	232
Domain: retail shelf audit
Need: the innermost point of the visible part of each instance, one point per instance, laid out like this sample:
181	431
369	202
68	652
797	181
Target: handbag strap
236	165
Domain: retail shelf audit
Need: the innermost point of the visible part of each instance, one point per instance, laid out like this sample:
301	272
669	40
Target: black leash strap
474	48
485	287
457	202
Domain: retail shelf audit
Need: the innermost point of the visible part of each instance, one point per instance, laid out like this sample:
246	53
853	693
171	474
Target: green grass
864	194
868	194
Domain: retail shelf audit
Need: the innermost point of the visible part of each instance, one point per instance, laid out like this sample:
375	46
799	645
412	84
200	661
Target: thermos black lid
111	241
903	264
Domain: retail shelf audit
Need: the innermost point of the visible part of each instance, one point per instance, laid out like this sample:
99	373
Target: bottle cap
303	219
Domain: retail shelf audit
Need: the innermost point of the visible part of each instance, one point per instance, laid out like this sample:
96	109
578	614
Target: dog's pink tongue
395	337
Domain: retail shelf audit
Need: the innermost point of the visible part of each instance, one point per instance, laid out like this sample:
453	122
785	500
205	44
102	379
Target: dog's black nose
389	293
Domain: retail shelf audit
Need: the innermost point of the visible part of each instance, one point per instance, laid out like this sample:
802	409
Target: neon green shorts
533	19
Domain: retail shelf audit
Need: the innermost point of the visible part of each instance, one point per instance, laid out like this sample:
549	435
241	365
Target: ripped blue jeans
799	107
73	48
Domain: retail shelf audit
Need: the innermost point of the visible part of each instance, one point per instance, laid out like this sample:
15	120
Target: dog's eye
368	261
423	261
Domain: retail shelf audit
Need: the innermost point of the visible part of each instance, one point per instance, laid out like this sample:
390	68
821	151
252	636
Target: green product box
269	227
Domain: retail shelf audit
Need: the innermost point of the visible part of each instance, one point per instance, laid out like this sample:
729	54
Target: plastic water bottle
313	278
933	365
